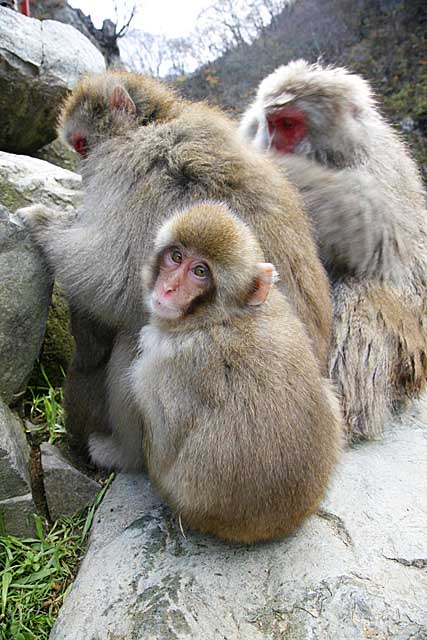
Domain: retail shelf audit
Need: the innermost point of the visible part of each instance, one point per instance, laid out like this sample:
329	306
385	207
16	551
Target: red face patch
79	144
287	128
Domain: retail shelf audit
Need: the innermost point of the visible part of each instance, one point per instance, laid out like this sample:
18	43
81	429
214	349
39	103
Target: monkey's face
286	128
79	143
183	278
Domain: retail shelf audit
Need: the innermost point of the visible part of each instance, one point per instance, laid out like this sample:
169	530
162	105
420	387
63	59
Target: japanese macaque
132	182
110	104
241	432
366	201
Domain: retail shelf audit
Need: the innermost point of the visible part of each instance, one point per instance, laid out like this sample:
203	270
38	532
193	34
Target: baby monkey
241	432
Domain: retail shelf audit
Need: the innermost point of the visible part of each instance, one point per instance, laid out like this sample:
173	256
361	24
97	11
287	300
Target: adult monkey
366	200
185	153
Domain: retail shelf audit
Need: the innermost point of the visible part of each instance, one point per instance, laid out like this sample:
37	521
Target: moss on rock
58	345
11	197
59	154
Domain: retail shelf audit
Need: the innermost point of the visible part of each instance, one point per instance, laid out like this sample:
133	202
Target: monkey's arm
351	218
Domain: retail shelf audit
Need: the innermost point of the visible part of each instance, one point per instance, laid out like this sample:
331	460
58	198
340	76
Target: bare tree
146	52
225	24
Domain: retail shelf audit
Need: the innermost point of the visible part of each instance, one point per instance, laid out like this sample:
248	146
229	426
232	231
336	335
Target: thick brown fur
133	181
367	204
241	432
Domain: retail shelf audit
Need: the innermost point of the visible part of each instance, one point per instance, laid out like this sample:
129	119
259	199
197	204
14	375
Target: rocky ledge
358	569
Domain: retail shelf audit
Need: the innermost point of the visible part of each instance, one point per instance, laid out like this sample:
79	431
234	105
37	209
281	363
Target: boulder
14	456
25	181
40	61
67	489
25	286
355	570
18	516
24	301
57	152
16	502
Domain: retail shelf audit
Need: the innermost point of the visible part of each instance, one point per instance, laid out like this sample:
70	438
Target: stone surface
60	154
25	180
25	286
24	301
40	61
356	570
17	515
67	490
16	502
14	456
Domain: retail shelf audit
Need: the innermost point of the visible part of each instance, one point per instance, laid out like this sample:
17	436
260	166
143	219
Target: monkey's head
206	265
310	110
110	104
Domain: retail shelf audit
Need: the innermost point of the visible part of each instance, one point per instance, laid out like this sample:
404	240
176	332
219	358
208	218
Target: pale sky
172	18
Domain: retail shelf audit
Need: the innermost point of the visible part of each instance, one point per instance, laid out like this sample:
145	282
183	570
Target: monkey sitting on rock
150	153
241	432
366	201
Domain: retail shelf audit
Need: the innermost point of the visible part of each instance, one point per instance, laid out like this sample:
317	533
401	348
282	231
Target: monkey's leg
126	445
377	355
85	391
105	451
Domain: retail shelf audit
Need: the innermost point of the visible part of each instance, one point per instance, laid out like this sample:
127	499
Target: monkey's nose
171	285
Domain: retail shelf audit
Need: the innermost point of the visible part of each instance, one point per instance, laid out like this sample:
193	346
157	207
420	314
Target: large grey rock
40	61
24	284
24	301
14	456
357	570
18	515
25	180
67	490
16	503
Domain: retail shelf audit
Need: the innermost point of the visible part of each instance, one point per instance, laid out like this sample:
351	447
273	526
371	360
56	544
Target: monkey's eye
200	270
287	124
176	256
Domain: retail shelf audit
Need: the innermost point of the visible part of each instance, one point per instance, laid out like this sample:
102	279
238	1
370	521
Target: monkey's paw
104	451
36	215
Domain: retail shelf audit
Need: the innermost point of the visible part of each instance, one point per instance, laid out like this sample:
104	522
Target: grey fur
366	200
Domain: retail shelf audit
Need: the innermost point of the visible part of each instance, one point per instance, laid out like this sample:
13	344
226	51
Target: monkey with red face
241	432
134	177
368	208
111	104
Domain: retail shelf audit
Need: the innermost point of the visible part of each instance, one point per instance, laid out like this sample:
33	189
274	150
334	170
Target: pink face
182	278
286	128
79	143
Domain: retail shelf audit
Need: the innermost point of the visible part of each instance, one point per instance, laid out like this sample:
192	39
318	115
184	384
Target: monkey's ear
121	100
267	275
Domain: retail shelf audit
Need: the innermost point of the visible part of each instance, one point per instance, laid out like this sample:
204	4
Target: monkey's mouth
164	310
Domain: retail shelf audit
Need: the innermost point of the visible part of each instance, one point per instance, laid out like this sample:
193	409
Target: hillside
384	40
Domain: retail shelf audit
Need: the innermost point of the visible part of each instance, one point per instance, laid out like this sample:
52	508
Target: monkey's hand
38	215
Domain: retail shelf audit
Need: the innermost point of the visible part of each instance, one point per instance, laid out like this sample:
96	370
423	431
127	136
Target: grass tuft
46	411
36	573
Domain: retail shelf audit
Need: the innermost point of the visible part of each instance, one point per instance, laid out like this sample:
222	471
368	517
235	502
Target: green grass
36	573
44	407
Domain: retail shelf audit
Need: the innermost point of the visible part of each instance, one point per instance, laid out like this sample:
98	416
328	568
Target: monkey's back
242	433
197	156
